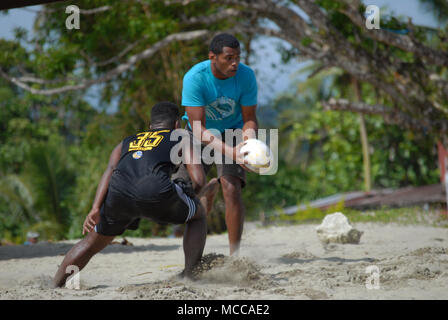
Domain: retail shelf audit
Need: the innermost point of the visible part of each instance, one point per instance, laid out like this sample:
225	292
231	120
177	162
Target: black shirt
144	169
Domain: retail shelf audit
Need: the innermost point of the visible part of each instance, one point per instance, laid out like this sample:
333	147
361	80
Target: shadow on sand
46	249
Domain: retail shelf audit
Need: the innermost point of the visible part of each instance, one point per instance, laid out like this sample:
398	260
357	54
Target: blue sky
271	80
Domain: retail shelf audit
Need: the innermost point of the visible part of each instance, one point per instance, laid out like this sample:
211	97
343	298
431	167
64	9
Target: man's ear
211	55
177	124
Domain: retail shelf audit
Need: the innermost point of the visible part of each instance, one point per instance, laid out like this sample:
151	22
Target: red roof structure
403	197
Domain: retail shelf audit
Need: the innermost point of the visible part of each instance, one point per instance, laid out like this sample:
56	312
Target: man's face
226	63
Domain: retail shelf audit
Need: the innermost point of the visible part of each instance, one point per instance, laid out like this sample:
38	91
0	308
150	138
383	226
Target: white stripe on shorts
188	201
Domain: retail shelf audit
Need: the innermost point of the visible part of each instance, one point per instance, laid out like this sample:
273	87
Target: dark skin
195	230
225	65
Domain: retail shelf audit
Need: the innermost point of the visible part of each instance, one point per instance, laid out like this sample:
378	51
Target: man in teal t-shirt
221	94
223	99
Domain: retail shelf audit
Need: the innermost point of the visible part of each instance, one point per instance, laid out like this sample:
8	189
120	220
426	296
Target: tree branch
94	10
33	79
390	115
308	52
403	42
81	11
182	2
182	36
120	55
284	17
222	14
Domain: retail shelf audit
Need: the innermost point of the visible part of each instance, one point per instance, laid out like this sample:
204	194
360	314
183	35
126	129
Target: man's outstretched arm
94	215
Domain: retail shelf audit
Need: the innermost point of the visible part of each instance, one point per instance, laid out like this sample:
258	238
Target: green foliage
48	169
149	229
59	145
438	7
321	154
54	150
266	192
17	210
11	53
18	197
306	41
48	230
434	216
330	5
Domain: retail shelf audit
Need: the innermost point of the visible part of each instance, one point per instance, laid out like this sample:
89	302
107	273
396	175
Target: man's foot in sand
208	194
186	275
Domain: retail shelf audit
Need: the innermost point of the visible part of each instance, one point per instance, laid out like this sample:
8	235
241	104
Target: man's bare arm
104	182
93	218
250	127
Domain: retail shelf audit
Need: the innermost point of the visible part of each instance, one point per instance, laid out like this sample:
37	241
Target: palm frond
19	196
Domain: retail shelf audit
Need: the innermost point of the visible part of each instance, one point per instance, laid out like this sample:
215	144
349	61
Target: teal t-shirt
222	99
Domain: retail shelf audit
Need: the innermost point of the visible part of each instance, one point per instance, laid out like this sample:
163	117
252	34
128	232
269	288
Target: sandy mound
239	271
214	269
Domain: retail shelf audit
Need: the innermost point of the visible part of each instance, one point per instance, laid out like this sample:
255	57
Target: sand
277	262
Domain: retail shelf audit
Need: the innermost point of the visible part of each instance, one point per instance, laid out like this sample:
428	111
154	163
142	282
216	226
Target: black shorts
120	212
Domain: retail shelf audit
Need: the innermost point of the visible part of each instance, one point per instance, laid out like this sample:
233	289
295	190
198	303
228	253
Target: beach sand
278	262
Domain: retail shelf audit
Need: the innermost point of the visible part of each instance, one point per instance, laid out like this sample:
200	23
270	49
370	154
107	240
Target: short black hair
164	113
223	40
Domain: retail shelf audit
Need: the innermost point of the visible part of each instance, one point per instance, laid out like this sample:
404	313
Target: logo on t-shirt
221	108
137	154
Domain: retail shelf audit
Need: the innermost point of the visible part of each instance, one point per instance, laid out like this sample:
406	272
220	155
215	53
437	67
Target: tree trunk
364	140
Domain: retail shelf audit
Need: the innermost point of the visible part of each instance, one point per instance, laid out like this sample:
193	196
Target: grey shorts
223	169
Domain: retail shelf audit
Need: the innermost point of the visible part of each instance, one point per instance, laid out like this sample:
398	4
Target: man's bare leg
80	255
194	240
231	188
209	191
196	229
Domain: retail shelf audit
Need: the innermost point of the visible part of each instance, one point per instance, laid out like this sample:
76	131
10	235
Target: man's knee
231	185
200	213
95	242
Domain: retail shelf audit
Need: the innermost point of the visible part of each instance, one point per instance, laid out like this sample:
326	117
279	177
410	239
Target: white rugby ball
258	156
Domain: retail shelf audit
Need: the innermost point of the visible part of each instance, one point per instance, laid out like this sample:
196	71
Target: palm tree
19	198
320	85
37	197
52	180
438	7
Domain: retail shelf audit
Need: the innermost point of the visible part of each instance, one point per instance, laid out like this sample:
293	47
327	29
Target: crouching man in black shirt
137	184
